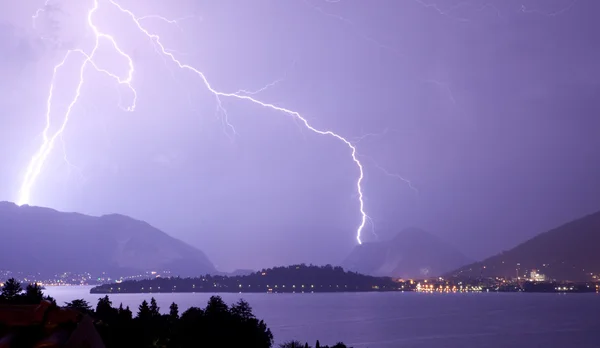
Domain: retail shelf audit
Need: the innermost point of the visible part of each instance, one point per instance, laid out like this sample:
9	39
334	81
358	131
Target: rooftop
46	326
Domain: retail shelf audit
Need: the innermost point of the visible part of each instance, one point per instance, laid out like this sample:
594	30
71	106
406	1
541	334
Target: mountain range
43	240
568	252
412	253
46	241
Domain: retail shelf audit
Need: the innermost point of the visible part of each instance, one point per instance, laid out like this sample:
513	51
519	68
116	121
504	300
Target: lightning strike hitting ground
37	161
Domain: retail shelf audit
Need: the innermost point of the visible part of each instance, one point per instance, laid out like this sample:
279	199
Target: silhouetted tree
154	309
216	306
243	310
340	345
192	314
218	323
174	311
50	299
291	344
144	312
215	325
125	314
318	345
104	303
33	293
81	305
11	289
105	311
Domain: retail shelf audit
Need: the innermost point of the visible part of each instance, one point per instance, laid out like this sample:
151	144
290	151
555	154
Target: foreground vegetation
290	279
216	325
13	293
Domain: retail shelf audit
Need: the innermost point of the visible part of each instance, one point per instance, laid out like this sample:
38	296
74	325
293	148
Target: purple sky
490	108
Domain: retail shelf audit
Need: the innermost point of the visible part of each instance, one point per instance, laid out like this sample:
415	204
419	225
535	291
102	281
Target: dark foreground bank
30	319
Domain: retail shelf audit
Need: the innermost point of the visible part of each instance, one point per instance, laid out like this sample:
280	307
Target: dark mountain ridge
412	253
43	240
568	252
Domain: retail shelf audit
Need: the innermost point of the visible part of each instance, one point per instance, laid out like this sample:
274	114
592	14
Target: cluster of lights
564	288
432	288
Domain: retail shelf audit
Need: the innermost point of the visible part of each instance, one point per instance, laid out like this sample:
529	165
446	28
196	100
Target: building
46	326
537	277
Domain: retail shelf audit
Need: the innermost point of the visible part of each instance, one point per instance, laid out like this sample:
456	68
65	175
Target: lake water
398	320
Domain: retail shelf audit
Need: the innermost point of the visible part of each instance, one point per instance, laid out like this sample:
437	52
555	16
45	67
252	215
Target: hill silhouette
286	279
412	253
43	240
568	252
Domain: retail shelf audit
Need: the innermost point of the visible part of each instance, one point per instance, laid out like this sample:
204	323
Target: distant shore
329	279
290	279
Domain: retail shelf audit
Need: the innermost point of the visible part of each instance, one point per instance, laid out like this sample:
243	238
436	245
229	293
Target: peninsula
290	279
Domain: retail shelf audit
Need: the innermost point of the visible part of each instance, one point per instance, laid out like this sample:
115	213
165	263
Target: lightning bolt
354	26
398	176
37	161
371	135
549	14
445	86
385	171
169	21
267	86
39	11
66	159
448	12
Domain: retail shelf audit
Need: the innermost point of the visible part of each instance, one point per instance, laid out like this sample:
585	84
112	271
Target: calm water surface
391	320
